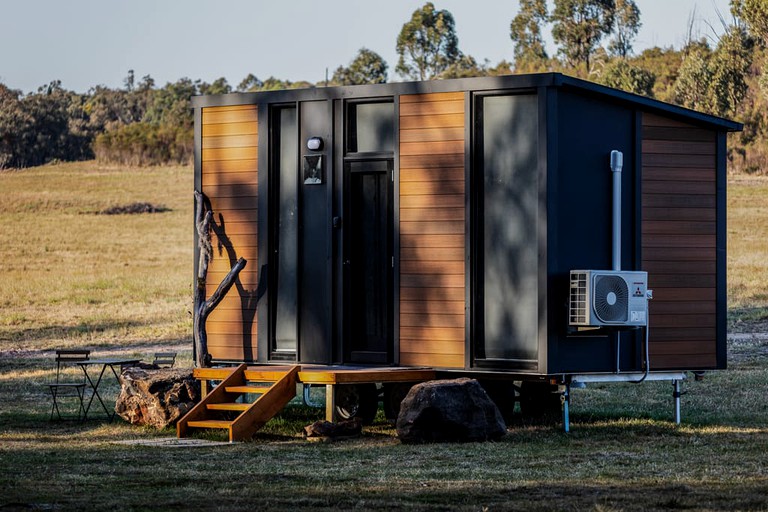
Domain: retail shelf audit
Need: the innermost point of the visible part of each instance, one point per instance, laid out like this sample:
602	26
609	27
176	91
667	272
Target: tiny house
437	224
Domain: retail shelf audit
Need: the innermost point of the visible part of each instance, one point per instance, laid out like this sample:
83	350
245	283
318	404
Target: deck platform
320	375
324	374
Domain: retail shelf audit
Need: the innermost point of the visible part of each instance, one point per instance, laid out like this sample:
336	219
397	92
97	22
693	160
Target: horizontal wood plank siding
431	230
679	241
229	155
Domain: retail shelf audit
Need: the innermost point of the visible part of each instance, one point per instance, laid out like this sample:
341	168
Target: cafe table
94	364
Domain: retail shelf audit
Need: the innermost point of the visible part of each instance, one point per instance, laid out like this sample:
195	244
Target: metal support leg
566	399
676	395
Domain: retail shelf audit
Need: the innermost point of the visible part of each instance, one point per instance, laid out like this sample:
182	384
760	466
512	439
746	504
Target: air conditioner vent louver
607	298
611	296
578	313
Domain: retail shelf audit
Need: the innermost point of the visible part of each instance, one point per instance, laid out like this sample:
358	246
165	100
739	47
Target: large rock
449	410
158	398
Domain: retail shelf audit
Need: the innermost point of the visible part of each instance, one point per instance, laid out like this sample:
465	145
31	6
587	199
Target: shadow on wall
249	298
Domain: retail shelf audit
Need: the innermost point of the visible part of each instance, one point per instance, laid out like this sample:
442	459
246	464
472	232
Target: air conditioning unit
615	298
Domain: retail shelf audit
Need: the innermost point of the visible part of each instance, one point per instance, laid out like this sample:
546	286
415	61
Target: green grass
121	285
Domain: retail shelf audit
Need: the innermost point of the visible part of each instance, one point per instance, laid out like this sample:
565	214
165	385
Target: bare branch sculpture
203	307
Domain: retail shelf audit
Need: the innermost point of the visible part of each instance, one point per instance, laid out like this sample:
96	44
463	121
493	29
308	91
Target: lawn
122	285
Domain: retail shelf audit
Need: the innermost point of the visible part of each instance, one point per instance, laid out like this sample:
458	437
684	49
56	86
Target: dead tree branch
203	307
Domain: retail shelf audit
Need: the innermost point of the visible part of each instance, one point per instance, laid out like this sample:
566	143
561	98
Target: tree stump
326	431
158	398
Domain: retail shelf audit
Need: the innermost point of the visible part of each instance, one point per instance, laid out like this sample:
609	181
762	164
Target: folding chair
165	359
64	389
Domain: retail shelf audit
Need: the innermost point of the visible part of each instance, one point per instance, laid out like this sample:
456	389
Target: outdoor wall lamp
315	144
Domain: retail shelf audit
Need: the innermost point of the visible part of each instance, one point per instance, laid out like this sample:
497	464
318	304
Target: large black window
506	225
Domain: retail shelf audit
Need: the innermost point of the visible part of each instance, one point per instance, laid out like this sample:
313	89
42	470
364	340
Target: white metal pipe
676	395
617	162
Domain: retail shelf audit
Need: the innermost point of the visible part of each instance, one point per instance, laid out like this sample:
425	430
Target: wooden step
210	424
230	406
252	416
254	389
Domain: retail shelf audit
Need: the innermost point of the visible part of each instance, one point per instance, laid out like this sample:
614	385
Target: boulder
157	398
449	410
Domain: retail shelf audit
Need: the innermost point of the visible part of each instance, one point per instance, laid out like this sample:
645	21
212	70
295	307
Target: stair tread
210	424
251	388
228	406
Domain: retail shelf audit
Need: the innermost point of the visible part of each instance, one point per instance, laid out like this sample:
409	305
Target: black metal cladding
588	129
315	297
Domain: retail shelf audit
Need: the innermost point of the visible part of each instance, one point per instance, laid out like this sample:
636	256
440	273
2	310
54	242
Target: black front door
368	257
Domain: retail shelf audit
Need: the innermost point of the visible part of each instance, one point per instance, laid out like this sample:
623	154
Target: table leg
95	389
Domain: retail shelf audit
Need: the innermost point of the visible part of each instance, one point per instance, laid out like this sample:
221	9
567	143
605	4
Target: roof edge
479	84
650	103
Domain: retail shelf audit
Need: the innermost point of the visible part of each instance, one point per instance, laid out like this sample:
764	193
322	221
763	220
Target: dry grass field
122	285
69	276
748	254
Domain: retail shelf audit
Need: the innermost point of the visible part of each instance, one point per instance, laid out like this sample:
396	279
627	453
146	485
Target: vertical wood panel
678	241
229	156
431	229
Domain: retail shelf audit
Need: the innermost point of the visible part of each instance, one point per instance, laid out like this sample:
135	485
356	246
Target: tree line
143	124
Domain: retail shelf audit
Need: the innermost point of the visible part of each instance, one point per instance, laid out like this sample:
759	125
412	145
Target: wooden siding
431	230
229	154
679	241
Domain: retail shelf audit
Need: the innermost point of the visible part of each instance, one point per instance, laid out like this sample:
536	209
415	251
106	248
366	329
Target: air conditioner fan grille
611	299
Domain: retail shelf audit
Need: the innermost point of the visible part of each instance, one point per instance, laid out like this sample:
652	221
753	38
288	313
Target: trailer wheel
357	400
394	394
539	401
503	394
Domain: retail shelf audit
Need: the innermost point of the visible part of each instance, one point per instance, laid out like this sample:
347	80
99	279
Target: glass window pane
286	322
371	127
510	226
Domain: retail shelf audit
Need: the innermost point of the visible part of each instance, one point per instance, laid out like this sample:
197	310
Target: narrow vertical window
507	193
285	296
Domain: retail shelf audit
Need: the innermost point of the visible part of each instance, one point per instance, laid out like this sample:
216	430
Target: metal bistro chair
72	389
165	359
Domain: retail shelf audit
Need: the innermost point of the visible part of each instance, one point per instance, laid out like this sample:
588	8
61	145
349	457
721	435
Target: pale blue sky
88	42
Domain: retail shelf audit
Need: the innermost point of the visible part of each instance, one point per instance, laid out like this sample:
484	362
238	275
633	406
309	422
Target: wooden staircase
215	408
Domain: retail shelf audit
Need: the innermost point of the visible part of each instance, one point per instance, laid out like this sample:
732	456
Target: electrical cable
647	354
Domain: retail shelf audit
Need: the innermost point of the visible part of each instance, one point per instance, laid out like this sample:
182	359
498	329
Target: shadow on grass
65	331
748	320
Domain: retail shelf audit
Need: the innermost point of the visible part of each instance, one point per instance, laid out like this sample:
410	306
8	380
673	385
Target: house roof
506	82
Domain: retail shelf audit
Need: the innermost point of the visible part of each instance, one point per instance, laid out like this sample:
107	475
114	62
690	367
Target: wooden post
330	402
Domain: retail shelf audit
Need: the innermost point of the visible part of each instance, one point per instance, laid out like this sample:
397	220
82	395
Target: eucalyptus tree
427	44
625	27
755	15
578	26
526	33
620	74
368	67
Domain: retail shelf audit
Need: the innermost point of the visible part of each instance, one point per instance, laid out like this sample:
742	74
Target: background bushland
142	124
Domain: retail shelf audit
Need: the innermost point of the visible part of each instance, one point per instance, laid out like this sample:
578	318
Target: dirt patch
172	442
18	353
134	208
